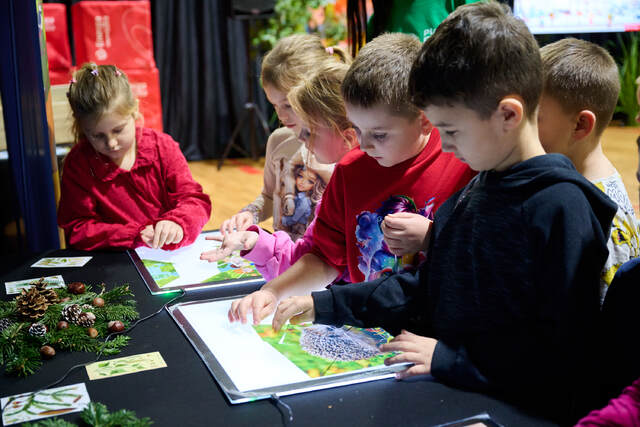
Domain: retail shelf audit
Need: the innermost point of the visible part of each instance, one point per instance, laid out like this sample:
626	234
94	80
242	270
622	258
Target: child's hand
260	303
239	240
296	310
147	235
165	233
239	222
415	349
406	233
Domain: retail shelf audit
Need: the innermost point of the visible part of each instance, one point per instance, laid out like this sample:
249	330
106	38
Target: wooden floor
240	180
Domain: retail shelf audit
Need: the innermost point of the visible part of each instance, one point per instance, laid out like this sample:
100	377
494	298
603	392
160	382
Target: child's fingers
415	370
212	255
217	237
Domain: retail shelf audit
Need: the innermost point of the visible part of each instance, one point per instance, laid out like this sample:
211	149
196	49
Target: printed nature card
21	408
17	286
78	261
321	350
125	365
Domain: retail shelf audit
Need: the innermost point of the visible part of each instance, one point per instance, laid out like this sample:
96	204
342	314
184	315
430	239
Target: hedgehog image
334	343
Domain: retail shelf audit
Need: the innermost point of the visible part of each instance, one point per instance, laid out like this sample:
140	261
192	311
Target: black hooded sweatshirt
510	288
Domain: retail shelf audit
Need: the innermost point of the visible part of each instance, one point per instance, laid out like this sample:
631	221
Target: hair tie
94	71
118	72
72	81
329	50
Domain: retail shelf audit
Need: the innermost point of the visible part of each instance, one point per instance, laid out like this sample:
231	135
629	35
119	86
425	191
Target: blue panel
23	99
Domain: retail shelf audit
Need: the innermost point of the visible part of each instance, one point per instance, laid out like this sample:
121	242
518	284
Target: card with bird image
125	365
21	408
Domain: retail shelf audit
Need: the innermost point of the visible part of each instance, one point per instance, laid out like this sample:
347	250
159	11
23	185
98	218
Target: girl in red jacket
124	186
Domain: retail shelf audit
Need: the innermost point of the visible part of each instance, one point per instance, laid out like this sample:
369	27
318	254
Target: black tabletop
185	394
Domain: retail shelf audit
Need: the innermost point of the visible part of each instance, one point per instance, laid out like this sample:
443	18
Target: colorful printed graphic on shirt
376	259
298	205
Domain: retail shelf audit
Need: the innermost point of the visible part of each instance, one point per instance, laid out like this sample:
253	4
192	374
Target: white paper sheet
250	362
186	260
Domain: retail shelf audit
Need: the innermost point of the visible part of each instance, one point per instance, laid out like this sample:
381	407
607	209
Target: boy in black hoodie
508	299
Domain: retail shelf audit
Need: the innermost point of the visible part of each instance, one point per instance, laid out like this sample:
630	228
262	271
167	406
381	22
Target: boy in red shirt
397	176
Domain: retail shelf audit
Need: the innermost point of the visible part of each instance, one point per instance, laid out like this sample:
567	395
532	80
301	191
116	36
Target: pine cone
86	307
86	319
71	312
5	323
49	294
31	304
37	330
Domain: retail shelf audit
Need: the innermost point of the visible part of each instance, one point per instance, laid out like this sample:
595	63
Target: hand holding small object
239	222
165	233
260	303
406	233
414	349
294	309
238	240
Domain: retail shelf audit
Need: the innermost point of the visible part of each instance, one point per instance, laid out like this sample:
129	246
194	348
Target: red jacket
347	232
103	206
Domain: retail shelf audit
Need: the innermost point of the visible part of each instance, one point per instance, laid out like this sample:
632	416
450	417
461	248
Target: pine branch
97	415
50	422
116	312
7	308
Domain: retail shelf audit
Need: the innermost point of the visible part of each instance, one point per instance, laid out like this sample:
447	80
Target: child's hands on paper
239	222
406	233
238	240
415	349
260	303
296	310
165	232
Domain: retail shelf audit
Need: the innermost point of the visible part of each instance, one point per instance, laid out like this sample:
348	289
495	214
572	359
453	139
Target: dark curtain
201	52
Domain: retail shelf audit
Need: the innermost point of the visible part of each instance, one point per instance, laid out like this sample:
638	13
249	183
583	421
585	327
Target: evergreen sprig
20	352
97	415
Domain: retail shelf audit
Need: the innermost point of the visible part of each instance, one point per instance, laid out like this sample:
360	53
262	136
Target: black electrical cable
107	338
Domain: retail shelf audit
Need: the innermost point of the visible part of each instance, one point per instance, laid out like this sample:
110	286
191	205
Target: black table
185	394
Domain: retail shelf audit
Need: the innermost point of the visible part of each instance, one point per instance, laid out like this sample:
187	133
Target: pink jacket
624	410
274	253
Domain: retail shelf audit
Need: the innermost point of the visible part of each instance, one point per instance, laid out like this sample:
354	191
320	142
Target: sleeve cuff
323	307
261	251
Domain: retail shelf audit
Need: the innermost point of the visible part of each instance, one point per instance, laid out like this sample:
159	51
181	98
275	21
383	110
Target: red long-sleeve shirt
347	233
103	206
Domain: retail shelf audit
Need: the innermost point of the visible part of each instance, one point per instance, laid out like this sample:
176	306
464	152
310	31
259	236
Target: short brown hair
581	75
96	89
478	55
293	57
379	74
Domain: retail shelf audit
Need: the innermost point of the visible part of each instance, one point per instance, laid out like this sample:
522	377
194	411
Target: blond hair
581	75
96	89
318	101
293	57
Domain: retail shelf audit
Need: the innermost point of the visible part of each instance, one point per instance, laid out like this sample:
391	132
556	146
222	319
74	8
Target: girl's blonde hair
96	89
293	57
318	100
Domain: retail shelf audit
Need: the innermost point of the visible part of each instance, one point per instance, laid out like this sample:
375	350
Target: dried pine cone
86	319
31	304
49	294
86	307
37	330
71	312
5	323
